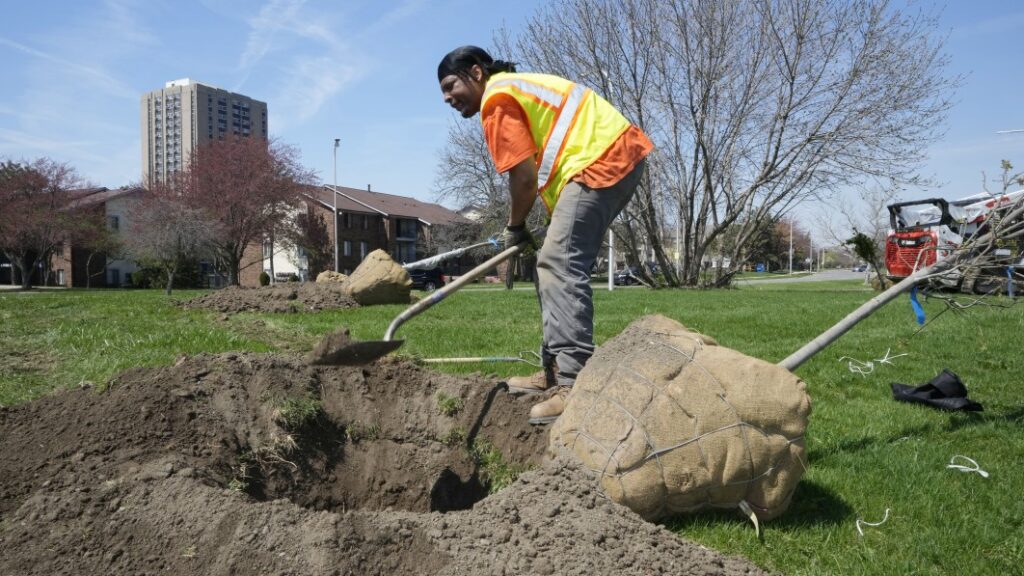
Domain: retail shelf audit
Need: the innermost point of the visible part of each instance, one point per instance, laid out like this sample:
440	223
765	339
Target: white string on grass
865	368
860	522
888	359
974	467
858	367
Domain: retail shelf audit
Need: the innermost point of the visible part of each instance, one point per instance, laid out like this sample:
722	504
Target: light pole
791	246
334	203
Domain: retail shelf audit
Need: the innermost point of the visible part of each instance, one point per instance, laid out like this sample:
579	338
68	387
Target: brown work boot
533	383
549	410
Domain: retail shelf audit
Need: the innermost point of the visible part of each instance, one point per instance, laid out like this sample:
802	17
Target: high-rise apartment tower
186	114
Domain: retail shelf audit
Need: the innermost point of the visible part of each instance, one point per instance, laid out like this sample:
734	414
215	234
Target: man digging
558	140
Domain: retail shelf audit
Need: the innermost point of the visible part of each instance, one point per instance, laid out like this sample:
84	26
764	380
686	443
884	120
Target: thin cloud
405	10
1000	25
17	142
310	83
100	77
327	62
265	26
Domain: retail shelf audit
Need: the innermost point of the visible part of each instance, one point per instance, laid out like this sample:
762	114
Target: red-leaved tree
247	187
32	220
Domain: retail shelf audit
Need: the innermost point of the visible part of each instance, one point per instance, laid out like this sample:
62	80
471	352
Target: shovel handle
450	289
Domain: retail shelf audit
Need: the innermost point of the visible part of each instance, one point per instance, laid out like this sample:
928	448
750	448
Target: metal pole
790	246
611	259
679	218
334	198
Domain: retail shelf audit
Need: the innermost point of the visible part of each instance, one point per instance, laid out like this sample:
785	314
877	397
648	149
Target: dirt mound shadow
286	297
250	463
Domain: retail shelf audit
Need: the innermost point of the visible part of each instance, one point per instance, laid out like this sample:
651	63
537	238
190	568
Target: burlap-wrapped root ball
379	280
671	422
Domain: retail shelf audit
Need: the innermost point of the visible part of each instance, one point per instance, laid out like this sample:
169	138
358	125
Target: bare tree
247	186
1007	177
92	233
33	222
307	233
754	106
466	175
166	231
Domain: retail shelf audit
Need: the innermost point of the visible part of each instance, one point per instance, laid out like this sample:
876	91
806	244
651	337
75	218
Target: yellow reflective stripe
546	95
558	134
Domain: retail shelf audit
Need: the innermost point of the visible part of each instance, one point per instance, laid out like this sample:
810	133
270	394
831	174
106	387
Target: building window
347	248
113	222
362	250
347	218
268	248
405	252
115	276
406	228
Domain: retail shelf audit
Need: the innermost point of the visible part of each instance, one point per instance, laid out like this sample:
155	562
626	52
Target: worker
558	140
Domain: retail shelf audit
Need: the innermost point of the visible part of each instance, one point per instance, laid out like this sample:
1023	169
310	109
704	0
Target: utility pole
334	203
791	246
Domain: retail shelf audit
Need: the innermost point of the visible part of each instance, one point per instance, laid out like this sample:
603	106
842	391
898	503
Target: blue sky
364	71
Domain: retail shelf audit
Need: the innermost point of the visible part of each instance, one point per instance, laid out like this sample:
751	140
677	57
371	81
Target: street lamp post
791	246
334	203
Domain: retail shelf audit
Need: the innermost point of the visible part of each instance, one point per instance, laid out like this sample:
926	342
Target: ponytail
460	60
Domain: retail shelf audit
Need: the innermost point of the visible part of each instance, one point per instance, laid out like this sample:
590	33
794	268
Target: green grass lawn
867	453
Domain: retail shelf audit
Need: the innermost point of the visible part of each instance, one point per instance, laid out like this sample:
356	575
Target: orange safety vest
571	125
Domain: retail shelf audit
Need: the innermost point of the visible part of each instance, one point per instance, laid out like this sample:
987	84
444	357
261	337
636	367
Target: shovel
339	349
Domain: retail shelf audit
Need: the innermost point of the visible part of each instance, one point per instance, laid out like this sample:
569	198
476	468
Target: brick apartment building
401	226
367	221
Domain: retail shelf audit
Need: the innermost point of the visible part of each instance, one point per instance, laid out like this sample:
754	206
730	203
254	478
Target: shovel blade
339	349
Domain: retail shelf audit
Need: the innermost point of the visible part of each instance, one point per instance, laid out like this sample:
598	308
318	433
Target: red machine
926	231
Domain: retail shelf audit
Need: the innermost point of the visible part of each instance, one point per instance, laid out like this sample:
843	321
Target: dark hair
460	60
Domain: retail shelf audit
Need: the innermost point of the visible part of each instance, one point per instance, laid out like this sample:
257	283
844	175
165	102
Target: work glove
516	235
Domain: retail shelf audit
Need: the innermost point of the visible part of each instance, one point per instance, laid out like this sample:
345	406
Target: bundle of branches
986	264
982	254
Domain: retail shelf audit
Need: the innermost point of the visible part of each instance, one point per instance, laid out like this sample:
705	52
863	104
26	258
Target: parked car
861	268
428	280
626	277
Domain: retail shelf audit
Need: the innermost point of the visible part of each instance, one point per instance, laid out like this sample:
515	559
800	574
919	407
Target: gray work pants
581	217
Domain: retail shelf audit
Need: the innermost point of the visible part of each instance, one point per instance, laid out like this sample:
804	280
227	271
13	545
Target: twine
865	523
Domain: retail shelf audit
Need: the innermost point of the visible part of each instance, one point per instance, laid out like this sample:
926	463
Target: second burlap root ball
671	423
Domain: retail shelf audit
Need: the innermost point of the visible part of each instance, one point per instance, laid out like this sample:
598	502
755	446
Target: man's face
464	94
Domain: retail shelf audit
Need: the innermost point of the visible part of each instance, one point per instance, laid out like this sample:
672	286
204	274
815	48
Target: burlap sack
671	422
379	280
331	276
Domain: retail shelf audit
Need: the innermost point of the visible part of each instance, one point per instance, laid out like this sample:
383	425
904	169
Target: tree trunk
26	272
273	276
88	270
170	282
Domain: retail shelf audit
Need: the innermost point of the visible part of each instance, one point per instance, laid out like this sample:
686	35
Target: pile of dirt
289	297
250	463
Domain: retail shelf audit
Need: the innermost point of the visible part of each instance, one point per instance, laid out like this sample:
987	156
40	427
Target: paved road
816	277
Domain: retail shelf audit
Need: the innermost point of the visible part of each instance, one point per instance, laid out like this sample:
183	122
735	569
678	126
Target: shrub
264	278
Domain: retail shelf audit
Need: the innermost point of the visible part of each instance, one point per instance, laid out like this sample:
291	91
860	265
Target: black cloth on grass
946	392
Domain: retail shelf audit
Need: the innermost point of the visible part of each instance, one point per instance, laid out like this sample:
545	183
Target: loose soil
263	464
288	297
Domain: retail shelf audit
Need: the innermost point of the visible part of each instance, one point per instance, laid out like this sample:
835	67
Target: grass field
867	453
